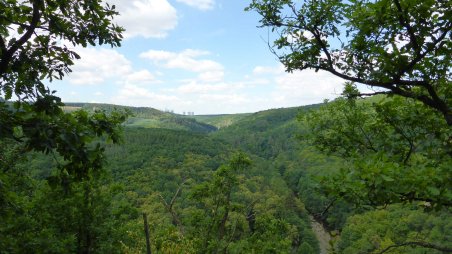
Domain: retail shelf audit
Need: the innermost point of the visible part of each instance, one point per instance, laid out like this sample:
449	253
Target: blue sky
201	56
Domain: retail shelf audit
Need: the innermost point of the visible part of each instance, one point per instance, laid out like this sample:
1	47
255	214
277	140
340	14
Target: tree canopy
37	41
397	150
401	47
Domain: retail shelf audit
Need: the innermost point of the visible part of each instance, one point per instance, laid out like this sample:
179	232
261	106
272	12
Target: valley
233	183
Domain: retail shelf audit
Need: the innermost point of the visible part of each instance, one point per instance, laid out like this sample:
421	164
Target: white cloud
208	70
300	87
197	88
141	77
134	95
158	55
200	4
259	70
145	18
194	96
211	76
306	87
98	65
283	90
265	87
225	100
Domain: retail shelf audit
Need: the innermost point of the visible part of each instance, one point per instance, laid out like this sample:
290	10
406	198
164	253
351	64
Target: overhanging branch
2	46
7	56
405	23
420	244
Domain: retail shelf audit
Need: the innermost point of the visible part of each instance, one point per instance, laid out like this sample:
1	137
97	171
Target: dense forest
253	186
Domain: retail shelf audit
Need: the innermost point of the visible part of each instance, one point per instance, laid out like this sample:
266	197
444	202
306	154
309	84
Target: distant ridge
147	117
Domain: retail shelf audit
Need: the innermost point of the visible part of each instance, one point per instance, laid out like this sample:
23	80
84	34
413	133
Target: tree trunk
448	117
146	232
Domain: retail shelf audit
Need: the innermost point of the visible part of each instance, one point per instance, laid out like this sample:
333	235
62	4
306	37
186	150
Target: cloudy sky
202	56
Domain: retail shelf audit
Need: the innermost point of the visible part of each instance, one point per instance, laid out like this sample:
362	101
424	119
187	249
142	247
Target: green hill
148	117
265	133
220	121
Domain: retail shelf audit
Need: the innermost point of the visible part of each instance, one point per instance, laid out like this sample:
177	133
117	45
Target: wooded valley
251	184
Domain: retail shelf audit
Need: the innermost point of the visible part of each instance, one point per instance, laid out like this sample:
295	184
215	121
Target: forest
366	172
255	185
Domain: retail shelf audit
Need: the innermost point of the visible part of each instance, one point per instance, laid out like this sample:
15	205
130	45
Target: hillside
148	117
182	171
220	121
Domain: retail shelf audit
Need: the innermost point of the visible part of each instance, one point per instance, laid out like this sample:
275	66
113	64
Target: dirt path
322	236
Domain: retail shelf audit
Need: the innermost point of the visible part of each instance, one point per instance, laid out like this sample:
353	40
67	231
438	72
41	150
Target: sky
201	56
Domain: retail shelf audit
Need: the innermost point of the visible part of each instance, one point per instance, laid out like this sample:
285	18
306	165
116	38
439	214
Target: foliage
398	151
38	217
69	210
163	181
34	40
275	136
31	47
44	127
402	46
215	197
375	231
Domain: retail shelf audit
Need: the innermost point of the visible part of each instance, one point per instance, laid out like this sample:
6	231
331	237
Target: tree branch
27	26
429	49
434	102
6	57
372	94
396	85
176	194
327	208
169	207
2	46
411	196
421	244
408	27
325	50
